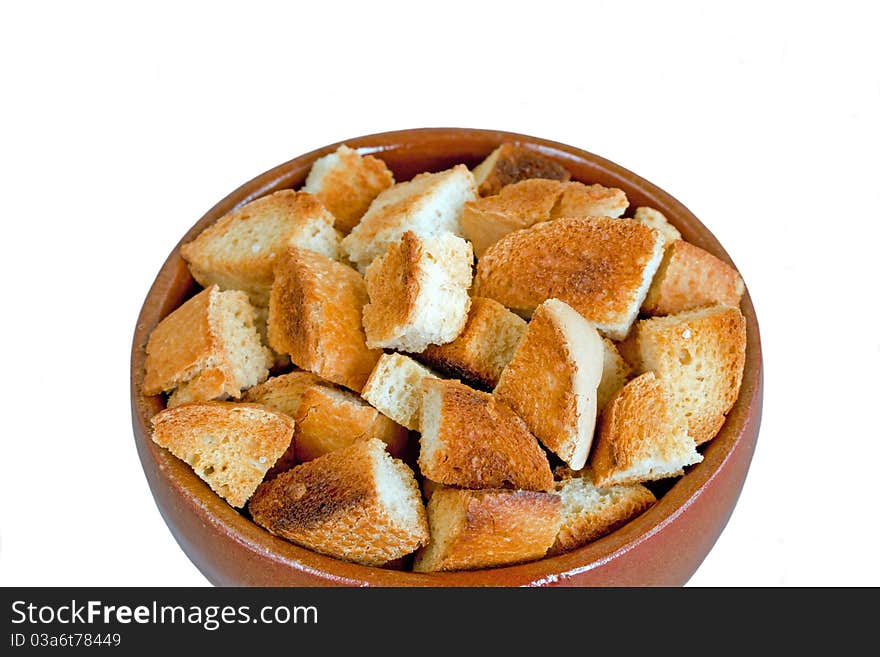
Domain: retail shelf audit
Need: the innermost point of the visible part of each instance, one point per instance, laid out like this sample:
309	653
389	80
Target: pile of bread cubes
469	369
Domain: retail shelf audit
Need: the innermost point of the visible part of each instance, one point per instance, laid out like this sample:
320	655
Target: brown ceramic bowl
663	546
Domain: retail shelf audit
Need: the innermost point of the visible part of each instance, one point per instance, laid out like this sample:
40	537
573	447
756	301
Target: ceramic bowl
663	546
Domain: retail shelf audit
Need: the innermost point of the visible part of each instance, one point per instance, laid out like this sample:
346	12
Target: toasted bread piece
689	278
470	439
356	503
486	220
229	445
641	437
428	204
473	529
656	219
601	267
395	388
418	292
327	417
699	355
208	348
511	163
428	488
580	200
315	317
239	250
615	373
552	380
589	512
483	348
346	183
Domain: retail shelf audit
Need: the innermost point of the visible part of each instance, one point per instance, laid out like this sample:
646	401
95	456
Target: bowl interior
257	557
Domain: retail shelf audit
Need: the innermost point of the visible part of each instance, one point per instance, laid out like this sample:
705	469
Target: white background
121	126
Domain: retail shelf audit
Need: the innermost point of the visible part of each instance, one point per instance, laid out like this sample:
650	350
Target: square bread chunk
470	439
590	512
418	292
656	219
208	348
483	348
486	220
346	183
510	163
552	380
229	445
580	200
601	267
239	251
327	417
395	388
615	373
641	437
699	356
473	529
689	278
428	204
315	317
356	503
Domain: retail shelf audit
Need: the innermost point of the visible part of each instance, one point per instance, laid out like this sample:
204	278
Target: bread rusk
615	373
395	388
511	163
208	348
699	355
641	437
486	220
429	204
552	380
689	278
472	440
580	200
601	267
483	348
356	503
473	529
327	417
315	318
418	292
239	250
229	445
656	219
590	512
261	321
346	182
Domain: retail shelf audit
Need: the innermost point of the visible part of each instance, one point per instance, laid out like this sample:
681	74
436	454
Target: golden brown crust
473	529
239	250
348	188
333	505
640	438
589	513
520	205
327	417
181	345
483	348
514	163
596	265
315	317
699	355
478	442
229	445
208	384
537	384
393	285
688	278
580	200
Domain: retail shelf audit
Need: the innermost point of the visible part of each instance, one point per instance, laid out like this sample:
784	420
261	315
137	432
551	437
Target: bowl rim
200	499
